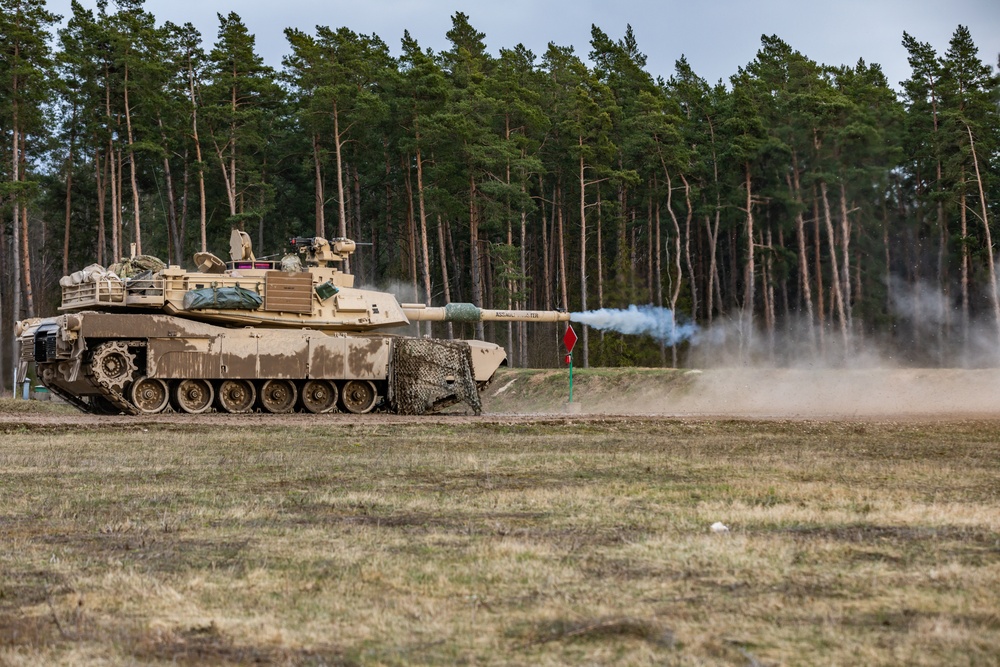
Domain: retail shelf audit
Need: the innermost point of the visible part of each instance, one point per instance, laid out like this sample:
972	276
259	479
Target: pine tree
583	109
240	99
473	148
25	86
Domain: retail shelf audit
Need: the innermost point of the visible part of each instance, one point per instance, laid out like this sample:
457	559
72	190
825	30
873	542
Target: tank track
427	377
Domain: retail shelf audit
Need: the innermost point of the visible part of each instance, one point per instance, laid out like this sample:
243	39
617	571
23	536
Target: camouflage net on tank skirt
429	374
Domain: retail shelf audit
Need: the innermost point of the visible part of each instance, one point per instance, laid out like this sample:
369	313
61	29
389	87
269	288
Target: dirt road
601	394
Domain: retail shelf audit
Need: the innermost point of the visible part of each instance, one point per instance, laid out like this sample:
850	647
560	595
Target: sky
716	36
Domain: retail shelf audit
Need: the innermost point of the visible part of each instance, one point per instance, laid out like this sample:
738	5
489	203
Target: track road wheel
319	396
150	395
278	396
236	396
358	396
193	396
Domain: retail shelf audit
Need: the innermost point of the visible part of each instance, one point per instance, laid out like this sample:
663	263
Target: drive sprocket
112	365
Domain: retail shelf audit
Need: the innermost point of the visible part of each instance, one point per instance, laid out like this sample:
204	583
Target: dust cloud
931	363
814	394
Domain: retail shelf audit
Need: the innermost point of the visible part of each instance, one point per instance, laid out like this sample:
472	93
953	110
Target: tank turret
253	334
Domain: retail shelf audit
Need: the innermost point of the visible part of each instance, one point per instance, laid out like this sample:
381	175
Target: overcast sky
717	36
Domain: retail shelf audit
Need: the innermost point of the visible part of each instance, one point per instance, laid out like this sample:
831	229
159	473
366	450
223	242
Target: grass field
499	541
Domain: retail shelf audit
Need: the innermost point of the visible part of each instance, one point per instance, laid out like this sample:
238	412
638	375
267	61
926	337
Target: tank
253	334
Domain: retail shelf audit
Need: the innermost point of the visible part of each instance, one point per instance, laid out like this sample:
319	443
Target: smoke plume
660	323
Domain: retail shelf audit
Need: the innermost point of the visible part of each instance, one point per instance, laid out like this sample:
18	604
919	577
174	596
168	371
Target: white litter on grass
719	527
505	387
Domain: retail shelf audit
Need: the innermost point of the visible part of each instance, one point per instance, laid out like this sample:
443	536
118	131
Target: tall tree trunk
319	196
174	228
359	263
424	251
835	283
101	182
411	236
990	263
562	250
964	230
800	233
337	146
121	204
444	273
15	223
231	184
600	256
713	232
226	155
942	222
804	282
29	292
116	242
750	271
632	263
658	255
584	337
818	263
768	275
132	176
522	329
660	250
475	266
676	278
203	221
692	278
454	257
712	293
650	269
185	198
546	246
69	195
508	270
4	272
115	204
845	234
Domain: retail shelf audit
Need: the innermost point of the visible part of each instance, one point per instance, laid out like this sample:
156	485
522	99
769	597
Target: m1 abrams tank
251	334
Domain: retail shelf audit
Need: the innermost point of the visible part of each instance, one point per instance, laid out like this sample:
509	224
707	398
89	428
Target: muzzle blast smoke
660	323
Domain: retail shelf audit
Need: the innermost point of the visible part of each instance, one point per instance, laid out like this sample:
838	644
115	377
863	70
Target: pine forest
797	211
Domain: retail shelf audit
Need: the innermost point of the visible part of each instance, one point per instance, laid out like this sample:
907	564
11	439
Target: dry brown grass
563	541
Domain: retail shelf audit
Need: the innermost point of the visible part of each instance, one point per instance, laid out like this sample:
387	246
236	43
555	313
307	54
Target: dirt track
521	396
810	394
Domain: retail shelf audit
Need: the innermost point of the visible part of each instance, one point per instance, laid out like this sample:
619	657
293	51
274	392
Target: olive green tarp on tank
222	298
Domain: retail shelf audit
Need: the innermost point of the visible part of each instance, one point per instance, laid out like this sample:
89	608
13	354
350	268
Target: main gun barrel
467	312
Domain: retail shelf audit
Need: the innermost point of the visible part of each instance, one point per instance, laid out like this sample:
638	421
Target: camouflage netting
430	374
133	266
291	264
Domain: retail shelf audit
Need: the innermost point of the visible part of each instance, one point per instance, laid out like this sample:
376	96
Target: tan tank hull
144	363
